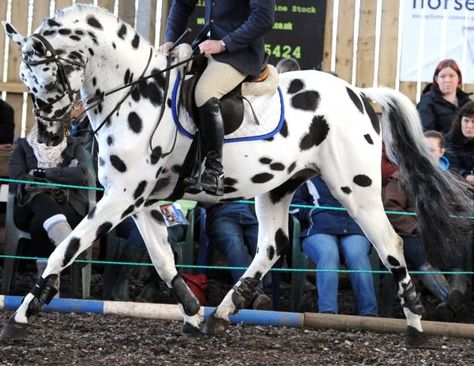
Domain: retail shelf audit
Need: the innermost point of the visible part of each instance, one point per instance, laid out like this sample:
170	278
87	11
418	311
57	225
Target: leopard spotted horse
329	129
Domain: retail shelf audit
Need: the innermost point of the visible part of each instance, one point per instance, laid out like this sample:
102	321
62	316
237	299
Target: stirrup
212	181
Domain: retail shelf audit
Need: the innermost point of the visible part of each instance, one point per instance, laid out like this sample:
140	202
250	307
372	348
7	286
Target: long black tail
444	203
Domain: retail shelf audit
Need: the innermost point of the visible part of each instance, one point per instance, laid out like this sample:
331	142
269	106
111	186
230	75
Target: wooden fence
364	56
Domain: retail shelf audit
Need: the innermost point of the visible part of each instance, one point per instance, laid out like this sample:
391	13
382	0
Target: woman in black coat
440	103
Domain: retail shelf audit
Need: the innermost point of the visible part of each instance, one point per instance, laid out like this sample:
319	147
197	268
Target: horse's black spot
128	211
346	190
110	140
94	81
265	160
399	273
372	115
318	131
72	249
307	100
295	86
355	99
136	41
228	181
64	31
101	162
291	185
139	190
291	167
93	22
93	36
122	31
157	215
103	229
262	178
368	139
228	189
277	166
155	155
284	129
49	32
53	23
79	32
393	261
257	275
128	78
281	240
362	180
269	139
118	163
158	172
10	29
135	122
91	213
139	202
151	202
75	38
270	252
114	46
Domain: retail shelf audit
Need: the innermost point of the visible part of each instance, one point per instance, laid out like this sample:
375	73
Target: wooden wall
357	66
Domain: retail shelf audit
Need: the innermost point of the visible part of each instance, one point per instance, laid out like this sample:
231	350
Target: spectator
7	129
48	213
460	143
326	235
451	296
233	230
287	64
442	99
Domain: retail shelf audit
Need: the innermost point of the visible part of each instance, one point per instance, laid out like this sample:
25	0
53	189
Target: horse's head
53	76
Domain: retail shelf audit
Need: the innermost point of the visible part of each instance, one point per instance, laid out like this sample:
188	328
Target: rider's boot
212	129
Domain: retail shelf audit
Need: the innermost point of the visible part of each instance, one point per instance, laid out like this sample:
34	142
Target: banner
433	30
298	31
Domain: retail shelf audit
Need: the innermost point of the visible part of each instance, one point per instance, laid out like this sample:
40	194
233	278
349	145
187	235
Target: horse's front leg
273	239
155	234
100	220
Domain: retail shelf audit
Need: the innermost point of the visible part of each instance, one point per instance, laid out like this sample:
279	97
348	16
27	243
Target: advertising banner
433	30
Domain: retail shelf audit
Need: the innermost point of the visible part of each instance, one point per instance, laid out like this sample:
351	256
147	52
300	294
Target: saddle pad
269	109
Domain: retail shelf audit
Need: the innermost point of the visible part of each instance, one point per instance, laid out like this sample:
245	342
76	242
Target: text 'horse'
329	129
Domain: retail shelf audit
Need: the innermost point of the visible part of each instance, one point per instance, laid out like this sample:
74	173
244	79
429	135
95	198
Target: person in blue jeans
233	230
330	237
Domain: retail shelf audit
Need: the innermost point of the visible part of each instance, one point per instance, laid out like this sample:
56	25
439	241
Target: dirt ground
85	339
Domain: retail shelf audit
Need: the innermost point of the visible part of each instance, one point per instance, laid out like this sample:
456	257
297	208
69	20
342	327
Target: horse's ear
13	34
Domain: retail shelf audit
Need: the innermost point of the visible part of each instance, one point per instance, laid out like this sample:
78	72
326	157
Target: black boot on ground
212	132
151	290
120	290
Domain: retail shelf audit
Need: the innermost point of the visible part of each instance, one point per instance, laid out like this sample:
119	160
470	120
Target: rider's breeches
216	81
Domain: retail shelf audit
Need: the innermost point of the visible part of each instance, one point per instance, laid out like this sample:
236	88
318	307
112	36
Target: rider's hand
165	47
211	47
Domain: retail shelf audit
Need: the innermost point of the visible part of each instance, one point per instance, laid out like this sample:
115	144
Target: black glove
38	173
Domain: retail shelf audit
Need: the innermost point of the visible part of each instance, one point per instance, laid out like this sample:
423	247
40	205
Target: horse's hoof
13	330
415	338
190	330
215	325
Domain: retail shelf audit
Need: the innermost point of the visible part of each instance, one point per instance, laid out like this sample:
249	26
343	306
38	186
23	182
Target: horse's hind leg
154	233
365	205
272	214
100	220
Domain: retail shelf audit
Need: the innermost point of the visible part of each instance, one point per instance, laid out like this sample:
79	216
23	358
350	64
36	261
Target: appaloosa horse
321	126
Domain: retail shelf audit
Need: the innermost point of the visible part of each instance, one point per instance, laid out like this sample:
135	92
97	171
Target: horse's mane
71	11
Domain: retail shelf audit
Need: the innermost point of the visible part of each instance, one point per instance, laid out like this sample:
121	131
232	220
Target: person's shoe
443	313
262	302
149	293
457	304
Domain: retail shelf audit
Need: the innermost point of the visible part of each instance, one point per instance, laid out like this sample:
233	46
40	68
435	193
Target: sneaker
262	302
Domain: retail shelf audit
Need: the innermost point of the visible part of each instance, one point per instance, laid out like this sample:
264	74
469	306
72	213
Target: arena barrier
248	317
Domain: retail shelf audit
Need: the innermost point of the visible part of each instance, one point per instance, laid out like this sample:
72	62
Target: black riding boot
212	131
133	254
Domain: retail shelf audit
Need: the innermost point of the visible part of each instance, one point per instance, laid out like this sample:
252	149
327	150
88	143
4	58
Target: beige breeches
216	81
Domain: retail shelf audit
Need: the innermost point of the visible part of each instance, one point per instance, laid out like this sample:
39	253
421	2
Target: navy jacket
437	113
241	24
460	153
322	221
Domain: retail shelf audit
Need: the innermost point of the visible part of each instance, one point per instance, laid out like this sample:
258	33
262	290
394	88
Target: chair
300	261
184	253
13	247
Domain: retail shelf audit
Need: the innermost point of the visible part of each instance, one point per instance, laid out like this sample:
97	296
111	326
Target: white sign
433	30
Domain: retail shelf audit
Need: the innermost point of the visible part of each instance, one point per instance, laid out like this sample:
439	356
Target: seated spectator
7	131
460	143
451	304
233	230
48	213
442	99
287	64
328	238
388	168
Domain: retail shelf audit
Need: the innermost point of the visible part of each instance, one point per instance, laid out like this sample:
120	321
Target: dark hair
287	64
443	65
436	135
467	110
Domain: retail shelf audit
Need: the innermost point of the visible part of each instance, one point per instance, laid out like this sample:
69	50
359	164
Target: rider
235	49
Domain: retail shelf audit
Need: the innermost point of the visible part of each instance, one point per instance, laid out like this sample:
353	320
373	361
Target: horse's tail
443	202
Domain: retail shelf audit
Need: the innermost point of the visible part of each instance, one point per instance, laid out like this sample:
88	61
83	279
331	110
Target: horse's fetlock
244	292
411	299
43	291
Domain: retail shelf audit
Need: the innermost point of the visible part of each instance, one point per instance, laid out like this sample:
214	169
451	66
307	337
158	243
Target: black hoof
190	330
215	325
13	330
415	339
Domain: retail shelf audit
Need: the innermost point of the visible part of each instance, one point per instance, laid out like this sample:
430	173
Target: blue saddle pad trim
184	132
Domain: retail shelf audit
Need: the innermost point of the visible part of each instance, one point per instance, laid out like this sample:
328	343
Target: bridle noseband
62	77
